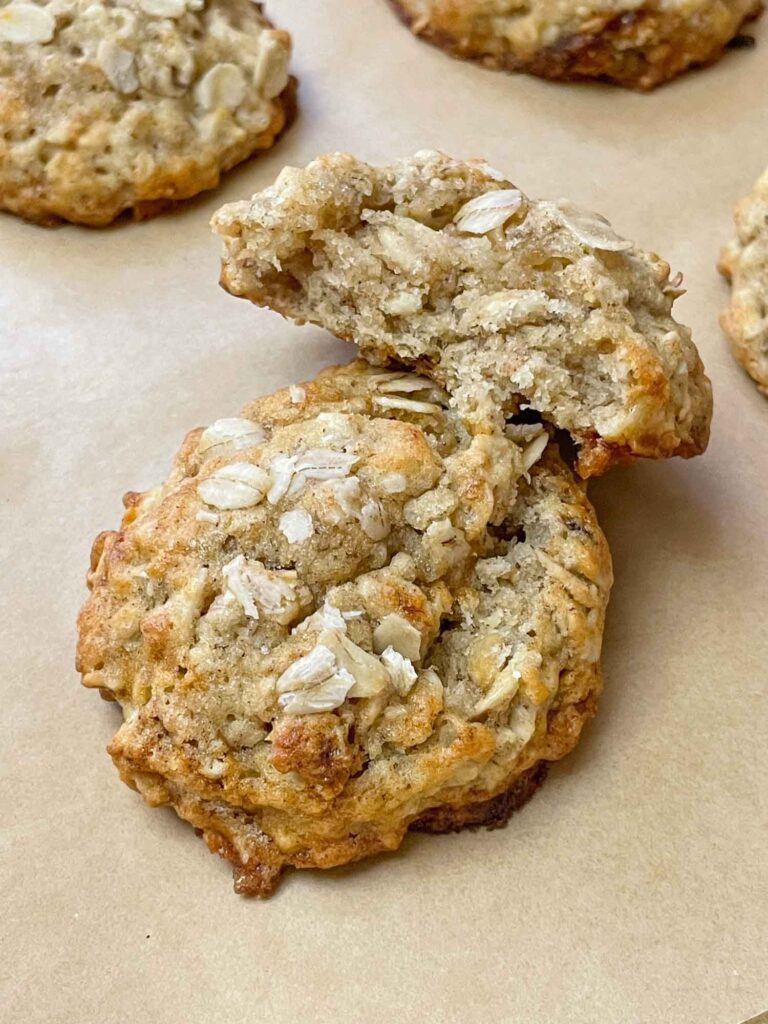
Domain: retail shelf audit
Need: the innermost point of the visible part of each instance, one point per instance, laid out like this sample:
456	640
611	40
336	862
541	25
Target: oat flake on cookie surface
113	105
634	43
509	302
345	617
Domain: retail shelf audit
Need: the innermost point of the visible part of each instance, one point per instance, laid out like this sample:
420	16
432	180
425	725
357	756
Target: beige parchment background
634	888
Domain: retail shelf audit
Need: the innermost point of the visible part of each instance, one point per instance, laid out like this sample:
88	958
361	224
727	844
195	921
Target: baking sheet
633	888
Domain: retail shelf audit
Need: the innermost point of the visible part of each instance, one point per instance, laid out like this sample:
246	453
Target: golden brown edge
741	351
605	54
563	730
262	878
492	813
164	190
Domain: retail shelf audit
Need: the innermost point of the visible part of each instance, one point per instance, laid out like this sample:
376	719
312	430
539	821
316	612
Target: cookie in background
744	262
133	106
622	41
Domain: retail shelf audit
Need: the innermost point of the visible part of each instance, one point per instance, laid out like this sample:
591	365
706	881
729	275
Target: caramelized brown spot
316	748
257	878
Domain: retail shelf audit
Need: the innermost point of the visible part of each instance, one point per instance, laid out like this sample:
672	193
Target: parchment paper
633	888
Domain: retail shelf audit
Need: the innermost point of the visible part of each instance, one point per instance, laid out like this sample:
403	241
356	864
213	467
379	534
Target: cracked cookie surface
344	614
114	105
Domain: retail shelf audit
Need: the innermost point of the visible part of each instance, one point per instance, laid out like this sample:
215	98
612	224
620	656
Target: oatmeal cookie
508	302
345	614
113	105
745	263
635	43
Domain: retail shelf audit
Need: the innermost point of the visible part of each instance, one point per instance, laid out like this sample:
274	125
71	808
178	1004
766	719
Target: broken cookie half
510	303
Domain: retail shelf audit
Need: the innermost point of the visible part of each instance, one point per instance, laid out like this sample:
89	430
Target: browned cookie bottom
261	878
493	813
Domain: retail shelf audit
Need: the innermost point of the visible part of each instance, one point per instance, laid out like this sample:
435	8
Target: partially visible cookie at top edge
516	306
636	46
744	262
135	105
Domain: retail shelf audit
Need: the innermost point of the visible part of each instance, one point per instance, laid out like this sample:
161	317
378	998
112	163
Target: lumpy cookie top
107	105
744	261
509	302
636	43
342	609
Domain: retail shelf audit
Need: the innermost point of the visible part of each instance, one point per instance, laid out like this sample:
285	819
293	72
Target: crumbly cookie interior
509	302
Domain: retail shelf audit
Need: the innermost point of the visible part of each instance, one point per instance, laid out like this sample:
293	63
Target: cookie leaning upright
744	261
508	302
622	41
133	105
